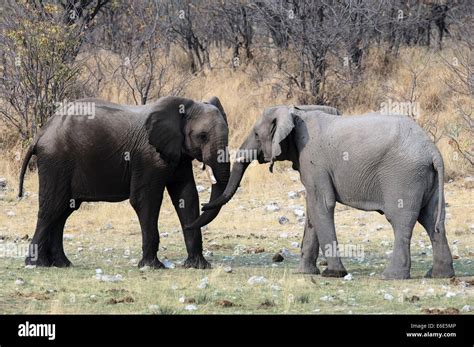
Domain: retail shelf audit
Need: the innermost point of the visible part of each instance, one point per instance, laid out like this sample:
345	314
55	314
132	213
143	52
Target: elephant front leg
186	202
321	213
309	250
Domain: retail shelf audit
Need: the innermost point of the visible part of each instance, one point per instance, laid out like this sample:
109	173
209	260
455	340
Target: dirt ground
103	241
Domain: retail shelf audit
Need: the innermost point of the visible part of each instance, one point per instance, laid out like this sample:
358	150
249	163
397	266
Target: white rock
208	253
272	207
326	298
153	308
11	214
144	268
384	243
68	236
275	288
298	213
200	189
168	264
372	273
30	267
450	294
227	269
182	299
388	297
284	235
348	277
204	283
466	308
164	234
191	307
379	227
98	271
19	282
257	280
283	220
109	278
295	245
108	226
292	195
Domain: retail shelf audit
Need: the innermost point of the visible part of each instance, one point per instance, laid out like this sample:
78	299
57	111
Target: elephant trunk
220	173
247	152
236	175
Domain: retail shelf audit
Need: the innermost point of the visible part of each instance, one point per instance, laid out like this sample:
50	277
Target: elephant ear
164	126
216	102
282	126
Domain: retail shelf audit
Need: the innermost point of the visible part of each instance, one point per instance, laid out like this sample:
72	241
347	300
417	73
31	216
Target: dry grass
107	236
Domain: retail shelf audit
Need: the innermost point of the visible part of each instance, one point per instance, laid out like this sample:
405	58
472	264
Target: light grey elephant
371	162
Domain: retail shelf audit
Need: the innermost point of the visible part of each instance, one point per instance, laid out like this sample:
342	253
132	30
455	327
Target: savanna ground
244	237
104	239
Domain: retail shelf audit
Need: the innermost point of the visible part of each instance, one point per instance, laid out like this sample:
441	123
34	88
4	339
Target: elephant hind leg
57	255
400	262
442	258
46	248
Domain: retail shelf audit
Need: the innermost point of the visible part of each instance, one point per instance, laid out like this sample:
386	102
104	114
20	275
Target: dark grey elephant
127	152
371	162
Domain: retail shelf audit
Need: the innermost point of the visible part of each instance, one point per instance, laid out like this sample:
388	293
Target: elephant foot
392	274
61	262
152	263
307	268
441	272
334	273
197	262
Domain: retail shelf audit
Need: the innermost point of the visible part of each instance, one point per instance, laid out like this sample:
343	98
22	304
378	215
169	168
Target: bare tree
38	55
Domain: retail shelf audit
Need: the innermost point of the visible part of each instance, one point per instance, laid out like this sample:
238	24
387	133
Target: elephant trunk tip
217	203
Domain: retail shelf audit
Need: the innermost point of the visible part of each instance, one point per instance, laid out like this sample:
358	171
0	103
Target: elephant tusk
211	176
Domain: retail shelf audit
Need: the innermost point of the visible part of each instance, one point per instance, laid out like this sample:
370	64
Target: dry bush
245	92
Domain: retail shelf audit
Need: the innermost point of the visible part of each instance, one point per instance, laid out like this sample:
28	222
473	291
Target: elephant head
269	140
180	128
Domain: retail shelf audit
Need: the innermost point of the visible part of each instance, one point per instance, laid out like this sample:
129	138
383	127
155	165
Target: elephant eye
202	137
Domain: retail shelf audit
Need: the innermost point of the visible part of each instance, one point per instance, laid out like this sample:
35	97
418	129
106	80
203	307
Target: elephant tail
439	167
29	153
